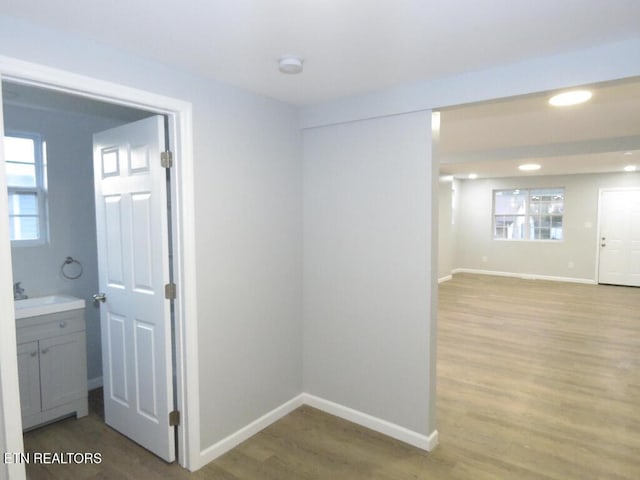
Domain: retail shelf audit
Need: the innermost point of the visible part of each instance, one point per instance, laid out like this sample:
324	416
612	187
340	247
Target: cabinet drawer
52	325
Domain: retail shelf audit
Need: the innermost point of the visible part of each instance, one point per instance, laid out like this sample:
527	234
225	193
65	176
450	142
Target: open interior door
133	258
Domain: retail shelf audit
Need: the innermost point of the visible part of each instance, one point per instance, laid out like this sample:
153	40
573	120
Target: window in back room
528	214
25	163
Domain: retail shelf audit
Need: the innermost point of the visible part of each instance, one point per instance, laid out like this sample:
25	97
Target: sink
31	307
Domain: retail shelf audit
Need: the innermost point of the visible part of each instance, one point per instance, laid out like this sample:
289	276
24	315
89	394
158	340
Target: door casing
179	113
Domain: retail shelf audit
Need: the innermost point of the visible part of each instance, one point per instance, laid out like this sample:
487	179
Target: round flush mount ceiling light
572	97
529	167
290	64
630	168
472	176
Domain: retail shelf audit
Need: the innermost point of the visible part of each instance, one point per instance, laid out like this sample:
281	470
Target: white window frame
527	215
40	189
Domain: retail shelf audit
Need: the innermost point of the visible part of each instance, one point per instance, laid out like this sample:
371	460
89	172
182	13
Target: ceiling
356	46
348	46
491	139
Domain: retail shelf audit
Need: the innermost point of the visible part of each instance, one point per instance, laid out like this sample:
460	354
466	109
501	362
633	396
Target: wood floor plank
536	381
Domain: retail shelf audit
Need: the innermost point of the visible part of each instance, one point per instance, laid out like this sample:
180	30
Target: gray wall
529	257
249	245
72	229
247	152
367	277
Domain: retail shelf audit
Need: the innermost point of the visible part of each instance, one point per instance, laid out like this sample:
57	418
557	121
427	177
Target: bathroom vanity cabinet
52	366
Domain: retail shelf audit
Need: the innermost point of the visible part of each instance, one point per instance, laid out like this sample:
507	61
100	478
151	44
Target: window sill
527	240
28	243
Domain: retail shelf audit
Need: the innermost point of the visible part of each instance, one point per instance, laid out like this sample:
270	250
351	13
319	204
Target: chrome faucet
18	292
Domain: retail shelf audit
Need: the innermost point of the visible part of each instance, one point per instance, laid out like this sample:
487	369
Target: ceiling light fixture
473	176
290	64
529	167
572	97
630	168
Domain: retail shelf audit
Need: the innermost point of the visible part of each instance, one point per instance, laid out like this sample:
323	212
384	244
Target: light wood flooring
536	380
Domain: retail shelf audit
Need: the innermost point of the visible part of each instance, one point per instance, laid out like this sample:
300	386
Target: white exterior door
133	257
620	237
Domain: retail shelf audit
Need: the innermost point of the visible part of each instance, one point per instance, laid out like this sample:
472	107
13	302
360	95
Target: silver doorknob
99	297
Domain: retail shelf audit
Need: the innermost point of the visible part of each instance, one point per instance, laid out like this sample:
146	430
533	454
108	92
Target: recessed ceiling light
529	167
446	178
473	176
290	64
630	168
572	97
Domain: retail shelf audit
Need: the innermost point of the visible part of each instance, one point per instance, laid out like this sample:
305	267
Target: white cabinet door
133	258
29	375
62	369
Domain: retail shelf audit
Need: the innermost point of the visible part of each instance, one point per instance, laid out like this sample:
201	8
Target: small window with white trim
528	214
25	163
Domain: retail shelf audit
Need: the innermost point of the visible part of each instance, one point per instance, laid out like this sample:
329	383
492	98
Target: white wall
368	282
249	245
446	238
552	259
247	152
72	229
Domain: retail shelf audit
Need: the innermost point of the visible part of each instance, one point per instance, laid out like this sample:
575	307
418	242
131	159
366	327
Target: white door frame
601	191
181	137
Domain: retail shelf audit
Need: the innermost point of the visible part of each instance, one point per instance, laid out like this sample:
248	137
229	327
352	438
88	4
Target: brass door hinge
174	418
166	159
170	291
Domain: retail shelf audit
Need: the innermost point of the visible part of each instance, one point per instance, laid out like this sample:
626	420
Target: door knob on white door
99	297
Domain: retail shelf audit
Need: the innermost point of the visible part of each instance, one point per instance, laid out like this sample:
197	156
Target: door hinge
174	418
166	159
170	291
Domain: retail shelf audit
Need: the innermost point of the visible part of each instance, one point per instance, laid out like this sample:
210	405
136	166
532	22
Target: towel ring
64	269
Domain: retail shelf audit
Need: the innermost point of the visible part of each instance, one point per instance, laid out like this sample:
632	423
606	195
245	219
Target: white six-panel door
620	237
133	256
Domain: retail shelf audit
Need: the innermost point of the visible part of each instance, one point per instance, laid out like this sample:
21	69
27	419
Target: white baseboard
94	383
526	276
223	446
393	430
403	434
446	278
